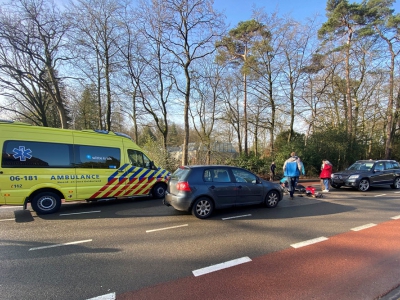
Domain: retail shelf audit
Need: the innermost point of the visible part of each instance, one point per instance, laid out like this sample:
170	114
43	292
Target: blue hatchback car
202	189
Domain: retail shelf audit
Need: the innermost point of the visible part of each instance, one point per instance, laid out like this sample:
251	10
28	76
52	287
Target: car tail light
183	186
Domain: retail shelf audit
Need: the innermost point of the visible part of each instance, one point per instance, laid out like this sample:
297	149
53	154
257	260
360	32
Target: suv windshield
361	166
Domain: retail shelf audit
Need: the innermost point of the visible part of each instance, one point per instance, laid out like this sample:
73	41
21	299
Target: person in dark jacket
292	168
272	170
326	173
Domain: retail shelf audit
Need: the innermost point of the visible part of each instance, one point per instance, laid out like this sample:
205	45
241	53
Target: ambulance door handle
121	171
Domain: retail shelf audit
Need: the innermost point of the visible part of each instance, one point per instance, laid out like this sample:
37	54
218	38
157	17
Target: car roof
374	160
206	166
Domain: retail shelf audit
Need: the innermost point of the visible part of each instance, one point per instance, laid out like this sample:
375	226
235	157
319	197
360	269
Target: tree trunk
186	118
246	150
348	89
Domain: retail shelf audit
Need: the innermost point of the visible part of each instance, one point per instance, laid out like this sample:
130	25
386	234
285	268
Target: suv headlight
354	176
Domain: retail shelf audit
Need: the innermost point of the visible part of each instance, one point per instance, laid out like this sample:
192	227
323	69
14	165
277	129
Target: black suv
201	189
366	173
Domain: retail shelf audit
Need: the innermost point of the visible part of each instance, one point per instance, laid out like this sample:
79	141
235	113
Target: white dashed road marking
221	266
110	296
309	242
59	245
363	227
166	228
396	217
381	195
80	213
7	220
236	217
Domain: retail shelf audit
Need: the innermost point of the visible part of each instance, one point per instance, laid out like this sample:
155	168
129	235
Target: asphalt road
113	249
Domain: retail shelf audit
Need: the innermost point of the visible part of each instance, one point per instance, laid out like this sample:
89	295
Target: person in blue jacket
292	168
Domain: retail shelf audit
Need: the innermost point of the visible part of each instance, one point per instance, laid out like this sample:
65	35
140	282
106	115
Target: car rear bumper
178	202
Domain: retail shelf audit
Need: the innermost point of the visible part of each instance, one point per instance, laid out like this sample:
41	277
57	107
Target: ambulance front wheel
158	190
46	203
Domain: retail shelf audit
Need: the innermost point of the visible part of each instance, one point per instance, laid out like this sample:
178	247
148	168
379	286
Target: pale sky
300	10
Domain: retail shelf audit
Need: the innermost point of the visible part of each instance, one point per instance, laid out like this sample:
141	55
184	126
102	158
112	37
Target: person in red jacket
326	174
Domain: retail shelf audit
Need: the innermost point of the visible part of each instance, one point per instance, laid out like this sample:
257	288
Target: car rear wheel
363	185
203	208
396	183
335	185
272	199
46	203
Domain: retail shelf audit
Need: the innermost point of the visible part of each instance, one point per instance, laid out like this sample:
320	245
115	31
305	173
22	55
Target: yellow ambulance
46	166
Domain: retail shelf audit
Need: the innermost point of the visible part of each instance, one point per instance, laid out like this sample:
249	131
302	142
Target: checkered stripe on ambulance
133	181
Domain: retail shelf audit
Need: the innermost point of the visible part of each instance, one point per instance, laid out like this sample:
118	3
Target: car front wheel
363	185
272	199
396	183
203	208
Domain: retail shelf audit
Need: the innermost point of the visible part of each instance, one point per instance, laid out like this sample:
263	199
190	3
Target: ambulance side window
138	159
96	157
26	154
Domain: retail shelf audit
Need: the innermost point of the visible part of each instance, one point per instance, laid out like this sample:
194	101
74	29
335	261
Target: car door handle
239	187
212	187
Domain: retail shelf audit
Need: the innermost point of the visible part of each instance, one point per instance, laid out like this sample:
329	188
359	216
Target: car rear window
180	174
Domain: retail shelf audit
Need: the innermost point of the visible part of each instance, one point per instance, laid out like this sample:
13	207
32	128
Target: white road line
363	227
110	296
396	217
221	266
59	245
80	213
7	220
309	242
236	217
380	195
166	228
11	207
397	192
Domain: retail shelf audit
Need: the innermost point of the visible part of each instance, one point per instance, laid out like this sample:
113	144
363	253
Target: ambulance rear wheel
46	203
158	191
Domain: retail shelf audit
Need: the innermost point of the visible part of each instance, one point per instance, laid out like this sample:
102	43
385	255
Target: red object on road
310	190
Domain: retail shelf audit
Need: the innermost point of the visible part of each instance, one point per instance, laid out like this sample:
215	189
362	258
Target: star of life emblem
22	153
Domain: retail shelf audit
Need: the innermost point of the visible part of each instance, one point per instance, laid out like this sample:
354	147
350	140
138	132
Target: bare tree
231	95
155	84
97	32
206	107
383	22
268	70
237	47
193	28
343	20
32	38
